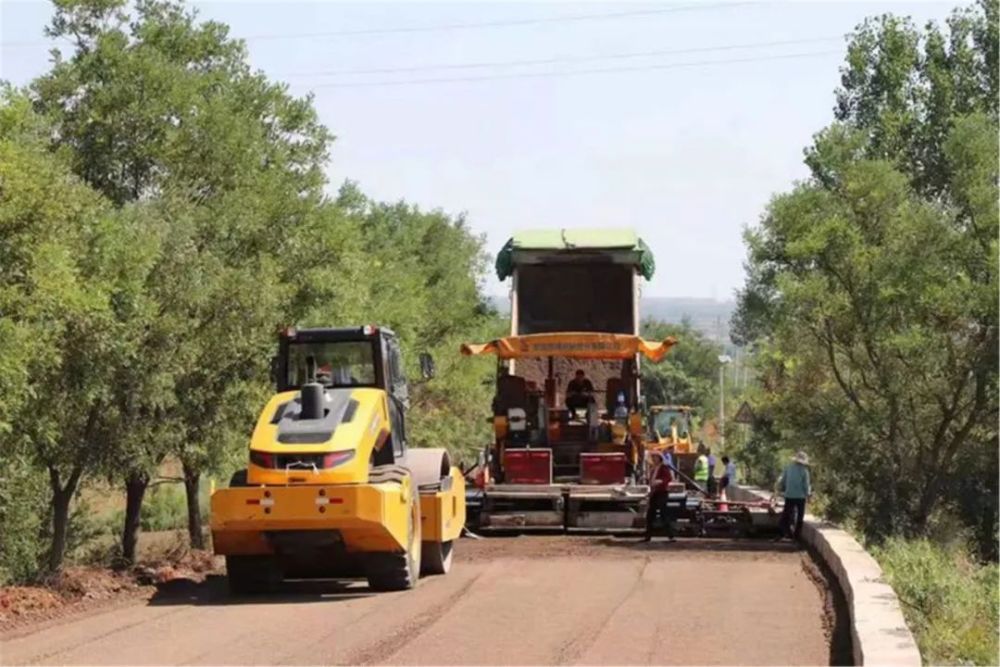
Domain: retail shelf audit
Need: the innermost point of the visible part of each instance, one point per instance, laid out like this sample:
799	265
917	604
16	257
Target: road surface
522	600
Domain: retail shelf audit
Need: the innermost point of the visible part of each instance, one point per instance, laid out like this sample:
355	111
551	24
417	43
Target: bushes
25	528
165	508
949	600
689	374
23	500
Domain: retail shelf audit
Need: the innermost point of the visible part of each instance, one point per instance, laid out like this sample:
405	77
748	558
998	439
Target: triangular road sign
744	415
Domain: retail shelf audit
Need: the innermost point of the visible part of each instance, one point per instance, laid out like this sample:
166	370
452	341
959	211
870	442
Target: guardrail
879	634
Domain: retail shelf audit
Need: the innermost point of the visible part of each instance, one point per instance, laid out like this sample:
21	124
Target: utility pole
722	405
724	359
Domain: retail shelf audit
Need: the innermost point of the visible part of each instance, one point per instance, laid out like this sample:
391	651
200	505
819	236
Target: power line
37	42
604	70
557	60
501	23
466	26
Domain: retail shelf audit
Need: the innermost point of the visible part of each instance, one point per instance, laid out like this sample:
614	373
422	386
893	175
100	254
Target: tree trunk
61	497
929	498
192	477
135	491
60	523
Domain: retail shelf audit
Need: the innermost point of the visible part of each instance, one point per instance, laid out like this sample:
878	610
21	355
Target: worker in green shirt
701	469
796	486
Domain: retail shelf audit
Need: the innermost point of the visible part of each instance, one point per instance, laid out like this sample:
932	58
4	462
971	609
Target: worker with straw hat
796	486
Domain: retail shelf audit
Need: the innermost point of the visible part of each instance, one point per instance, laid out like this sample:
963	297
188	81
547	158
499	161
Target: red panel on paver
527	466
602	468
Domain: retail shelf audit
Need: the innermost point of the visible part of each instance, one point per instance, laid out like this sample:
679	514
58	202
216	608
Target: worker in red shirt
660	477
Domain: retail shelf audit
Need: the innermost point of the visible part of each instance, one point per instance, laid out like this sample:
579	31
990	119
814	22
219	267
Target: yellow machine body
368	517
365	432
681	428
325	490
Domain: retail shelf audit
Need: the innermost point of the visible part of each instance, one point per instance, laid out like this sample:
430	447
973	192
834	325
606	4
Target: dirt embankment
79	589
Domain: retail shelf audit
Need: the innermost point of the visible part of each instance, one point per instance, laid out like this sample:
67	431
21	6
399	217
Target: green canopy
576	239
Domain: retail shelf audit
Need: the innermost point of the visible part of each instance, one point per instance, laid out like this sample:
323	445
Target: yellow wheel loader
331	488
674	426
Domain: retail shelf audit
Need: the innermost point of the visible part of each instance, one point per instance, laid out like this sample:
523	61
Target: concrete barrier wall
879	634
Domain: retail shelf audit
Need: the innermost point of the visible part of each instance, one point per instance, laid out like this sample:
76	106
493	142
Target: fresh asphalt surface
547	600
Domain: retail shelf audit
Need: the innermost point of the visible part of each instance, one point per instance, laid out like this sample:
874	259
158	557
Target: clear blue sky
686	155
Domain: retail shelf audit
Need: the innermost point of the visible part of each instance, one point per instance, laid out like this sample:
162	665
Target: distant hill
708	316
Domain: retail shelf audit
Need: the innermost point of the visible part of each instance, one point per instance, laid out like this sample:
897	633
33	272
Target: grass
164	508
950	601
96	519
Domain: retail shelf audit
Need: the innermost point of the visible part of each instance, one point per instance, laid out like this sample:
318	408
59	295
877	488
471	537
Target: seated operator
324	375
579	392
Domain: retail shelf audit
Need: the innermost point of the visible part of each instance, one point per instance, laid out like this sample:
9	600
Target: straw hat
801	457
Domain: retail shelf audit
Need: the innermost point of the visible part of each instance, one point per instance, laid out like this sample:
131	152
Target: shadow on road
213	591
702	544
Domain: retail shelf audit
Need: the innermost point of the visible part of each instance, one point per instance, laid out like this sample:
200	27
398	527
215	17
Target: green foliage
158	100
417	273
872	287
163	213
85	526
160	109
165	508
424	285
689	375
214	167
448	410
25	528
949	600
64	284
906	89
23	490
764	454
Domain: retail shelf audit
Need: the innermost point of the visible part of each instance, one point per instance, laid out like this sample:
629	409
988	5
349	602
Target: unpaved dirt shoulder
28	622
80	591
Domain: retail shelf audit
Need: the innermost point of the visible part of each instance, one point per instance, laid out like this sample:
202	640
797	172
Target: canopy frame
572	345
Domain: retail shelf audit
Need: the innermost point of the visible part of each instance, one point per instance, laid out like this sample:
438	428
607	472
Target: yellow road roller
331	489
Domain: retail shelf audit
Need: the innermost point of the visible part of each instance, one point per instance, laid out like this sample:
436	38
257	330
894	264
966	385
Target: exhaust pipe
313	399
